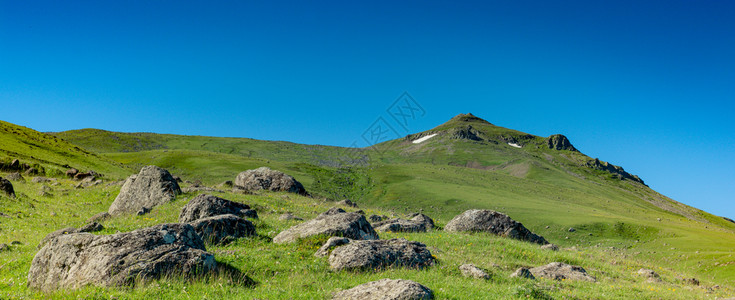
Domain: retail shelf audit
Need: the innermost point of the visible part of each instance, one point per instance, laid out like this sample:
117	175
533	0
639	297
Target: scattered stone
692	281
360	211
85	175
551	247
349	225
331	243
225	185
71	172
13	243
547	227
419	223
222	229
651	275
39	179
203	206
6	187
422	218
348	203
470	270
15	177
289	216
143	210
571	229
4	247
178	179
387	289
99	217
264	178
559	271
151	187
493	222
376	218
75	260
523	273
379	254
32	171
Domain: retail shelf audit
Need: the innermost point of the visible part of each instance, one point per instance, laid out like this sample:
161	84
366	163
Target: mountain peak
468	117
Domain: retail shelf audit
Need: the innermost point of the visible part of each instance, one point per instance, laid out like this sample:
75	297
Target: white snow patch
515	145
424	138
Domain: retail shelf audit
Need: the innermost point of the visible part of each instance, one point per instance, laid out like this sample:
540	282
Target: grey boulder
151	187
222	229
75	260
6	187
349	225
493	222
264	178
419	223
559	271
380	254
204	206
387	289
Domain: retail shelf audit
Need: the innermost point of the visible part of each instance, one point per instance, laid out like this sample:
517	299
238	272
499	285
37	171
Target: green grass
285	271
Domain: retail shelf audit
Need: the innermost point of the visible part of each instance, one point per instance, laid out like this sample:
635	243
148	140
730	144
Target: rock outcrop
151	187
74	260
493	222
204	206
560	142
616	171
379	254
223	229
264	178
6	187
387	289
559	271
349	225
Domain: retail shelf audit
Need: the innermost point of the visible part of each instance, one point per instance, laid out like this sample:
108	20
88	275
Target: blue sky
649	85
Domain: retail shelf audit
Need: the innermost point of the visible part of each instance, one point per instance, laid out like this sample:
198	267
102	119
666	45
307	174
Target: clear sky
648	85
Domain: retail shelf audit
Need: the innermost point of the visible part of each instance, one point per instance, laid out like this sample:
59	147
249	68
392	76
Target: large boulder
349	225
6	187
204	206
559	271
493	222
379	254
74	260
387	289
151	187
264	178
223	228
419	223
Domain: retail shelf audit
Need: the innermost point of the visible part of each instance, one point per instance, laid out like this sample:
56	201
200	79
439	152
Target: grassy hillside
50	152
290	271
620	223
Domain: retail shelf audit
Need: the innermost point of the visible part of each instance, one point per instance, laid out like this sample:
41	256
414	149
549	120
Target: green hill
544	182
50	153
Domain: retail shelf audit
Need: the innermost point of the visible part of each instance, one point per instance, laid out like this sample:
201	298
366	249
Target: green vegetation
621	225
